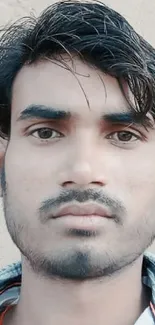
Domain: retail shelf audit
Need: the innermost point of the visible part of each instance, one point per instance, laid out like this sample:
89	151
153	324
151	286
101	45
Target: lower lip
85	222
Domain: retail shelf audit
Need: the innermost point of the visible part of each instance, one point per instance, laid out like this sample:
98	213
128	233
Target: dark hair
92	30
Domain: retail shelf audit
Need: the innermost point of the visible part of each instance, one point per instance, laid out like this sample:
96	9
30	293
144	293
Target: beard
80	259
77	261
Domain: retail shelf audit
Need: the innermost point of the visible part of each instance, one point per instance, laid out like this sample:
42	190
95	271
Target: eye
46	133
123	136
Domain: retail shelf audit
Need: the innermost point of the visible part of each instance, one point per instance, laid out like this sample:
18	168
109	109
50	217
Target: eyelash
45	128
137	137
109	136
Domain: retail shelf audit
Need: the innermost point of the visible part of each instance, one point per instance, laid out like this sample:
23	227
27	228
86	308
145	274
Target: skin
77	267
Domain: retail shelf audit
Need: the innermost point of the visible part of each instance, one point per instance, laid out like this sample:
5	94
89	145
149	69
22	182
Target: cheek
134	169
30	180
131	177
139	187
31	173
140	175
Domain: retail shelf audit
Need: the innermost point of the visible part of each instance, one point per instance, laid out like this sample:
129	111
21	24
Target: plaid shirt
10	283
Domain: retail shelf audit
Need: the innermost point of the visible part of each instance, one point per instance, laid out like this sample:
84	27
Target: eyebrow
45	112
123	118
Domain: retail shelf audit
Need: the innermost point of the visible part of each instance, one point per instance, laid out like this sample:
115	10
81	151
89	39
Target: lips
82	210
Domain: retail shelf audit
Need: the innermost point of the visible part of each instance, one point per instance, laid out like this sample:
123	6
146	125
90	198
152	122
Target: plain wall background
141	15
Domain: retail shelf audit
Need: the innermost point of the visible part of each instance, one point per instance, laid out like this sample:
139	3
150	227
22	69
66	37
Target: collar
10	280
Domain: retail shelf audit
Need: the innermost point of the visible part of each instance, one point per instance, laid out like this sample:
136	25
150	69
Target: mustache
115	206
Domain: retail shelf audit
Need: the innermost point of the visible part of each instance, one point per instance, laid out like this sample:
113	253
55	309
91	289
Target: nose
83	168
83	175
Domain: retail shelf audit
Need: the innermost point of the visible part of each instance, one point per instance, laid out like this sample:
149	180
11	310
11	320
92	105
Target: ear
3	146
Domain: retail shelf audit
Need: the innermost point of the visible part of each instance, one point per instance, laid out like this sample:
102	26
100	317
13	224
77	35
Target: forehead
72	86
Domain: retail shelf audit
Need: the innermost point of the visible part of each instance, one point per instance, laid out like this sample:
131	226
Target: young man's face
71	153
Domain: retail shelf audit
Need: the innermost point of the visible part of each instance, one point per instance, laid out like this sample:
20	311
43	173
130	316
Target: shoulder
10	274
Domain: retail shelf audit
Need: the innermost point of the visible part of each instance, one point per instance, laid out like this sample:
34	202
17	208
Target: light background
140	13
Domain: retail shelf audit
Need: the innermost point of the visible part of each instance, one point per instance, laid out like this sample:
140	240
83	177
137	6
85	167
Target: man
77	107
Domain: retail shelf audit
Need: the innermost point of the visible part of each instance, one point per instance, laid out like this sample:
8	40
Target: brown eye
125	136
46	133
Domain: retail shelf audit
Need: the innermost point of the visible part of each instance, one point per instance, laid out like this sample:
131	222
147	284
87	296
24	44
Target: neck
119	299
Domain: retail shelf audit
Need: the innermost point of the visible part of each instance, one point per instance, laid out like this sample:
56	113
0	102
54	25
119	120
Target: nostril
67	183
99	183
